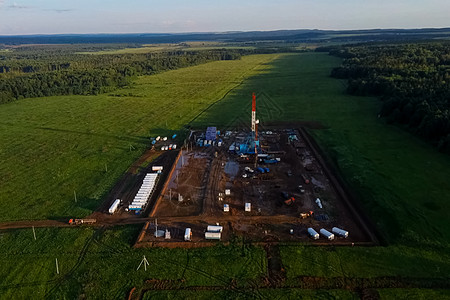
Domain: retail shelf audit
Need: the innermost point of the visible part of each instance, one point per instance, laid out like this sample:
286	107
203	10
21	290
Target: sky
171	16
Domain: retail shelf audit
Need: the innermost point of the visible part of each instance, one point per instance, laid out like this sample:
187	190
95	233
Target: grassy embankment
51	148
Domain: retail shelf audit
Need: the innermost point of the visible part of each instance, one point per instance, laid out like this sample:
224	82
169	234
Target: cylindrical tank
327	234
313	233
212	235
214	228
340	232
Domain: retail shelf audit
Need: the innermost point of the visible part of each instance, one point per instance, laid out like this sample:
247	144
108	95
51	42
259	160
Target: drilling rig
255	128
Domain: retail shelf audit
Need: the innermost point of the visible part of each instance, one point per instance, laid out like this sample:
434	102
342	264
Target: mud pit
195	194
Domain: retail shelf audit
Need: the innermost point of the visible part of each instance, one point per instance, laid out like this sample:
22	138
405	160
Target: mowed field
400	181
57	150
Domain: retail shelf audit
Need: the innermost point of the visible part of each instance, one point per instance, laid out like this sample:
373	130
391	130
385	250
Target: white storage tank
313	233
114	206
212	235
187	234
327	234
214	228
340	232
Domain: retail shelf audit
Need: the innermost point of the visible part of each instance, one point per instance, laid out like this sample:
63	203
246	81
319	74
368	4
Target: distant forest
412	80
28	72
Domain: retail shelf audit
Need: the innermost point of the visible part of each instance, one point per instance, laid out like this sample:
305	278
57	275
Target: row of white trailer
144	193
327	234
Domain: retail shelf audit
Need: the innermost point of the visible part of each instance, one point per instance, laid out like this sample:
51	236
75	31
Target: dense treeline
413	81
37	72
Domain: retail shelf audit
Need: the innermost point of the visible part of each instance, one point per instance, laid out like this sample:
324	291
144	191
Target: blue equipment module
211	133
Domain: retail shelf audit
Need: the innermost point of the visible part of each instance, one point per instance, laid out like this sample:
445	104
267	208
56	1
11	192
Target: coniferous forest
412	80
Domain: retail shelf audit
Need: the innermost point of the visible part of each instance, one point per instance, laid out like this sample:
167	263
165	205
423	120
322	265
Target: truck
81	221
305	215
289	201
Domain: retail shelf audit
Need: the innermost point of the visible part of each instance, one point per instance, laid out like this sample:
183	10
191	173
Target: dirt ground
195	194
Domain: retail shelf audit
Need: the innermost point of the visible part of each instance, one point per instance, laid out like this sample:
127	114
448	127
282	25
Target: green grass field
51	148
100	264
401	181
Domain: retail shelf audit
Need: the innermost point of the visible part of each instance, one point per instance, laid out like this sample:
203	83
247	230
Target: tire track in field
59	281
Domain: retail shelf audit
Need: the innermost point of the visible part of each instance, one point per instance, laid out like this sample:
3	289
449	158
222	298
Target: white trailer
114	206
327	234
340	232
188	234
156	168
313	233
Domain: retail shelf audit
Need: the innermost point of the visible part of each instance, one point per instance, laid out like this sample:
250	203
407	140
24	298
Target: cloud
17	6
64	10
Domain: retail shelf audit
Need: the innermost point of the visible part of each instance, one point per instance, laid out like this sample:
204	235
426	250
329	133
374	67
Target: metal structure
255	128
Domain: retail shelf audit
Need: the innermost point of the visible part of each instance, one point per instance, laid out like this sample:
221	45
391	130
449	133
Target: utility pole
145	262
57	267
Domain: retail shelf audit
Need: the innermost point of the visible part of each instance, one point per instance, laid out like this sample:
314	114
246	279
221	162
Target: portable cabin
214	228
212	235
188	234
340	232
114	206
327	234
319	203
313	233
134	207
